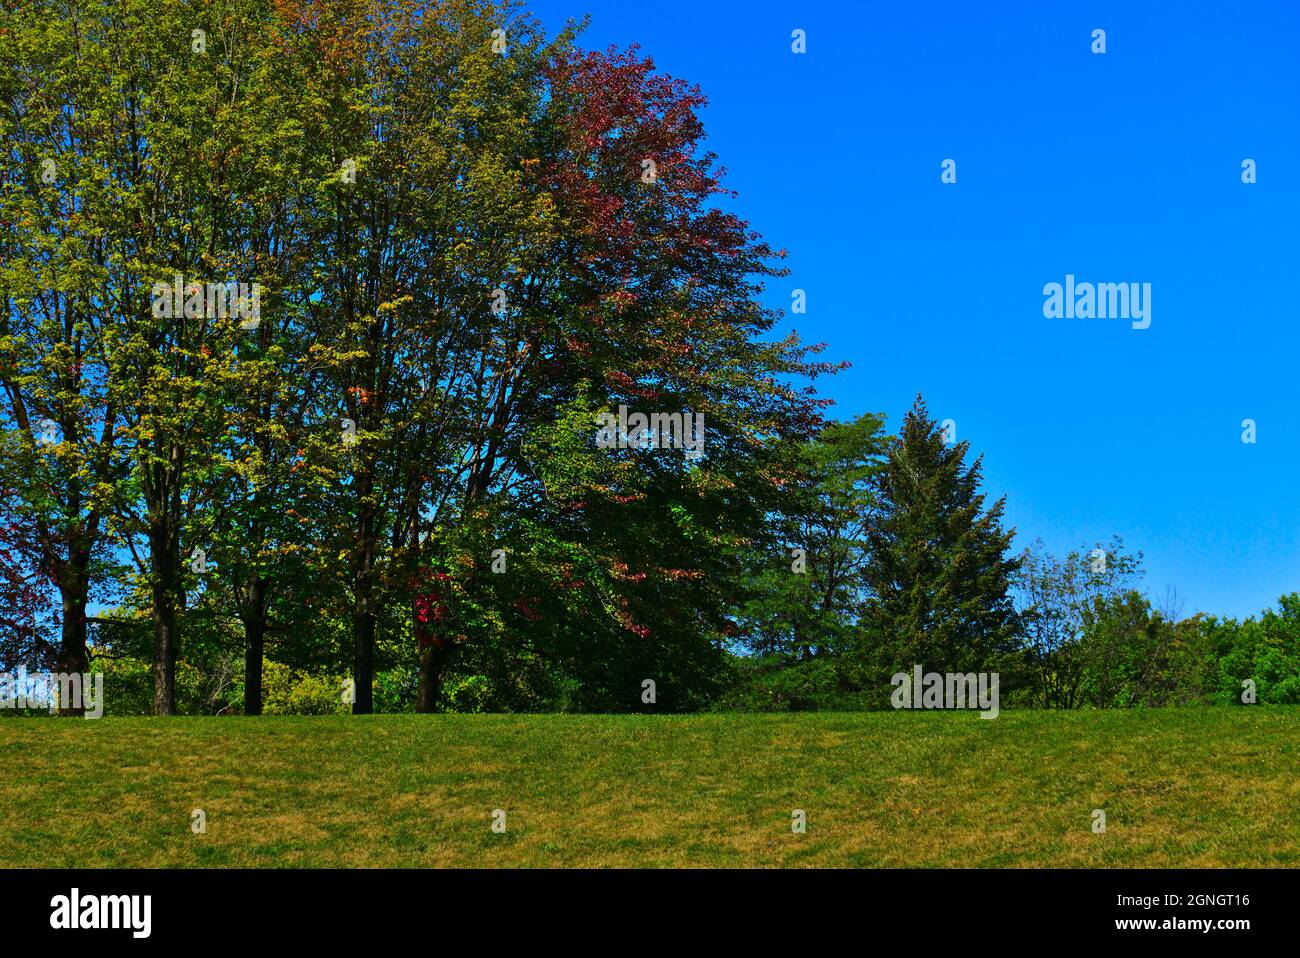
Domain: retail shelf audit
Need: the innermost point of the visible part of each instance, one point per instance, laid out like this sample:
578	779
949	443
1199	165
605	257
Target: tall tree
63	457
631	288
197	137
416	206
939	571
259	510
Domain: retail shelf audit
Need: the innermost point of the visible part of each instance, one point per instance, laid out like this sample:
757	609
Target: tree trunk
164	663
363	607
254	643
363	666
72	648
433	660
165	553
255	626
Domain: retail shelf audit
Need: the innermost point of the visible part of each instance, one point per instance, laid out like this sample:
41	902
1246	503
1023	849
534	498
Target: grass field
1189	787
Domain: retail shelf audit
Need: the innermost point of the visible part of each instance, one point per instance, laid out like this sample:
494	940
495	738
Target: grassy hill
1188	787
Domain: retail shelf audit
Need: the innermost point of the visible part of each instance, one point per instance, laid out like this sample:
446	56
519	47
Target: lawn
1187	787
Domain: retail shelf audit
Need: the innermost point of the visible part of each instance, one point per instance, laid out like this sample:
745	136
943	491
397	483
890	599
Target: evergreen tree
939	572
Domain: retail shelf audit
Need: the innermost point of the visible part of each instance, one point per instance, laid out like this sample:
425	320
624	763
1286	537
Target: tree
499	252
1054	597
62	456
199	140
939	574
259	512
471	240
1122	651
1264	650
807	599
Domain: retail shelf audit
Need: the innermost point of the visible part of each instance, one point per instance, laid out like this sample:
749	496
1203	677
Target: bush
395	690
1264	650
467	693
770	684
128	687
289	692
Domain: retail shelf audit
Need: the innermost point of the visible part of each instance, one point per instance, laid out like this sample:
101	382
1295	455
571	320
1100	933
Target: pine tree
939	570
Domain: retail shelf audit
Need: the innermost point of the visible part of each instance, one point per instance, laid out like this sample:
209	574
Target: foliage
472	241
939	574
807	598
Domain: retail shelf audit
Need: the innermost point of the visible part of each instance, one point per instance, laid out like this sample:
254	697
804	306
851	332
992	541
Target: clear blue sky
1122	167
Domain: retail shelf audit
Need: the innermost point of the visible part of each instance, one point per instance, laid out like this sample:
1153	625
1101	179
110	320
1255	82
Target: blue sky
1120	167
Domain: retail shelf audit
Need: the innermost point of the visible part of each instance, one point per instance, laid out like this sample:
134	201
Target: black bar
915	907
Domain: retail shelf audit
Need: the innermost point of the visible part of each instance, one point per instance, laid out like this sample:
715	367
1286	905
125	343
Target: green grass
1187	787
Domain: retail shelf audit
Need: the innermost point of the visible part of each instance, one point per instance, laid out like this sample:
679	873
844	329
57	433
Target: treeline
907	565
459	242
391	355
